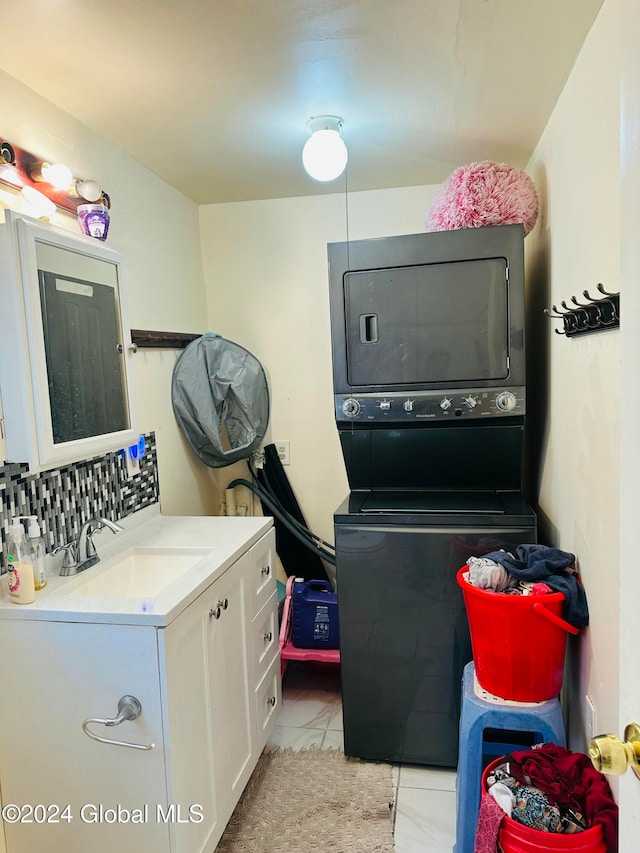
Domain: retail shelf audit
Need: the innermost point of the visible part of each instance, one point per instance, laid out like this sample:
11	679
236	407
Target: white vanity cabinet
207	686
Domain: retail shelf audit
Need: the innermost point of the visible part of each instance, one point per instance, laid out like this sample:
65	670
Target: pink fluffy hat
484	193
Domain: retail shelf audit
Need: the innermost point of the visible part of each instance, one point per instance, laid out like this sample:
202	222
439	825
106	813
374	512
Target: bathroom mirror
79	302
70	344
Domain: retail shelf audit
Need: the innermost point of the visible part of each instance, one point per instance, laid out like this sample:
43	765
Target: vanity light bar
20	169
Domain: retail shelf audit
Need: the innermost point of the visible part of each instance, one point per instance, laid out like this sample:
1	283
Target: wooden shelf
162	340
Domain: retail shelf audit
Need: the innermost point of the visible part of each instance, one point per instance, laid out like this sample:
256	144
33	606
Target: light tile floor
311	715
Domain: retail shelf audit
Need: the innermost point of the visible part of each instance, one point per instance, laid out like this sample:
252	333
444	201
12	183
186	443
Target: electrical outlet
590	718
131	466
283	451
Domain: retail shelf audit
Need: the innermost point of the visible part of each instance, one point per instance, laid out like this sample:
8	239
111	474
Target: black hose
272	505
281	509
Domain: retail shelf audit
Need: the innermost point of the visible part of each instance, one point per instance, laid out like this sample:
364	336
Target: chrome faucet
81	554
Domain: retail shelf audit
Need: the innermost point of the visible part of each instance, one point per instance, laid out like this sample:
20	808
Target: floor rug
312	800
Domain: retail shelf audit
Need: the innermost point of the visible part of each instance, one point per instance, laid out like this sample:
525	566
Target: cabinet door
189	729
64	673
231	692
210	707
65	362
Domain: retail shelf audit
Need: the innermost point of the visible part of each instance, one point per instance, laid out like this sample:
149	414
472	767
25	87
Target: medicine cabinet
65	346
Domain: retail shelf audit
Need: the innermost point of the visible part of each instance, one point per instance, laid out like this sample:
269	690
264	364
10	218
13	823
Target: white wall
265	268
575	386
156	229
629	590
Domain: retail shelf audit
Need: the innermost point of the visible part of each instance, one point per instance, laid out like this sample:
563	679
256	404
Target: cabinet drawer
263	580
264	633
268	700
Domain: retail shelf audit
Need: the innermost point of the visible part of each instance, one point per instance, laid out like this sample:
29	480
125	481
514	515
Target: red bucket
516	838
518	641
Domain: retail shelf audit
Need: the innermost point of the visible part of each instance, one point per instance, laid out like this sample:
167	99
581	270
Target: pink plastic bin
287	650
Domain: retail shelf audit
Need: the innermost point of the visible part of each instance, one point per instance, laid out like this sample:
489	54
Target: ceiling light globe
58	175
325	155
88	190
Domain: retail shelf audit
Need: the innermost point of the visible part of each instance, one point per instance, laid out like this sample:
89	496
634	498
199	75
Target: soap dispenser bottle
37	553
19	566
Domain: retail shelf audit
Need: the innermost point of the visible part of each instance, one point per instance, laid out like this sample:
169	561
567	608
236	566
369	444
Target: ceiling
214	95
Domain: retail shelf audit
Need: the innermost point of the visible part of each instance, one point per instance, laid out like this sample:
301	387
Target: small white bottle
37	553
19	567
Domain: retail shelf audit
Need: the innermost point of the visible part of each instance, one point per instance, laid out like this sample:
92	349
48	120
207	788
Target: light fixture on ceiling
325	155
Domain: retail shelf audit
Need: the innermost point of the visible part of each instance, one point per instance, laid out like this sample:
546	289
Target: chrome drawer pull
271	701
268	637
129	708
266	571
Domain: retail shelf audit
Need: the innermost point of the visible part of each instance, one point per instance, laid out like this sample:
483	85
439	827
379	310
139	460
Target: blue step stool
482	711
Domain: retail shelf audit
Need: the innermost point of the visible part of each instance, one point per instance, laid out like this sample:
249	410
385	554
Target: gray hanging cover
220	399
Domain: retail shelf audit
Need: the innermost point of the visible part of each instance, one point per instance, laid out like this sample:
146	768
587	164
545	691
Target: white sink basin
136	573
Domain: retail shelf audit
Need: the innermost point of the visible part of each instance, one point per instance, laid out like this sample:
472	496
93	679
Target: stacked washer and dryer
429	390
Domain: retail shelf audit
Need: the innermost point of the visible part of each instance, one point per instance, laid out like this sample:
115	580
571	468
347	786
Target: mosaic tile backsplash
64	498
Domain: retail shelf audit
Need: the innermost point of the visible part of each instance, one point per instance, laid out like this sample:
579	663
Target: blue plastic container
315	615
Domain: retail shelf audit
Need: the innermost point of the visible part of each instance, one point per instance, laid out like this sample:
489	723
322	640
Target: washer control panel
402	407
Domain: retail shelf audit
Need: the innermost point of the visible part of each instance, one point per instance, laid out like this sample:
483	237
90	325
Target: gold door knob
610	755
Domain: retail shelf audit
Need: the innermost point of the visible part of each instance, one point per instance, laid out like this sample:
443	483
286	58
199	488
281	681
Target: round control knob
445	404
350	407
384	405
471	402
506	401
408	405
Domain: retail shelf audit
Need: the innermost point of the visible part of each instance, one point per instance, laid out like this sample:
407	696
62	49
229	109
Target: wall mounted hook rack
162	340
596	315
